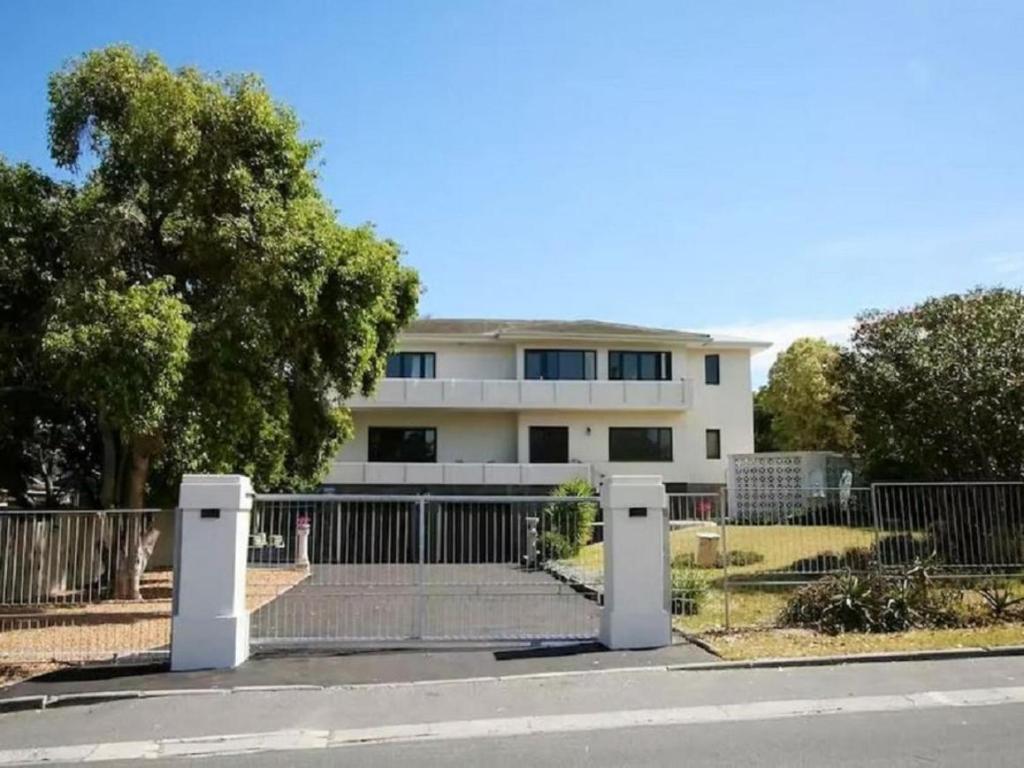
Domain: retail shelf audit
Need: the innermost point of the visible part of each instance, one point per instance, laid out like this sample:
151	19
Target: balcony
385	473
529	394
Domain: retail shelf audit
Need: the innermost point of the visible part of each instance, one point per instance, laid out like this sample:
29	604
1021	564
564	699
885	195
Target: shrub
740	557
684	560
689	591
567	526
999	596
872	602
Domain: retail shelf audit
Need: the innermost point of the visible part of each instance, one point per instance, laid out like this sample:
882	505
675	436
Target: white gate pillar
636	573
210	624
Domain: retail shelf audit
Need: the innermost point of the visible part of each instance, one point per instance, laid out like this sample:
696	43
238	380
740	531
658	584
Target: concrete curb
42	702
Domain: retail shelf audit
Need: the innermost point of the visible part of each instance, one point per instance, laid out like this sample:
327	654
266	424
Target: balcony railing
386	473
528	394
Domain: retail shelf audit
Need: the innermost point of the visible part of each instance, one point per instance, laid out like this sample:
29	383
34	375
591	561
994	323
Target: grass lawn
784	547
789	643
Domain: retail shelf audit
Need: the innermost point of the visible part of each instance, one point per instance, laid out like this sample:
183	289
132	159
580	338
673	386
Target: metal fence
426	568
777	540
62	573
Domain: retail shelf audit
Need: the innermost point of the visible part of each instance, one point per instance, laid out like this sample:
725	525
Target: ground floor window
640	444
406	444
549	445
713	443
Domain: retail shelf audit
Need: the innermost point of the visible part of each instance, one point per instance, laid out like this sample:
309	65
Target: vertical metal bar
722	503
421	542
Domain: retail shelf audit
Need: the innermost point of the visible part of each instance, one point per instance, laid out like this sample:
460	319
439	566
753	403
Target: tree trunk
108	479
138	540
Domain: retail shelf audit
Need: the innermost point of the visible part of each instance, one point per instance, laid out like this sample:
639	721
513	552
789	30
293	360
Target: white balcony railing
528	393
387	473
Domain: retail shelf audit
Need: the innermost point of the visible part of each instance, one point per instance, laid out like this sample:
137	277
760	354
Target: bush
740	557
689	591
1000	597
567	526
873	603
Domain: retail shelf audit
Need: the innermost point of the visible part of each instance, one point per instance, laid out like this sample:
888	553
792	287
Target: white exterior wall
469	361
470	436
728	407
497	432
593	448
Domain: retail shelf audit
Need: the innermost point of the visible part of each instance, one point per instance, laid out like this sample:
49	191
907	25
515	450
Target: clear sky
759	168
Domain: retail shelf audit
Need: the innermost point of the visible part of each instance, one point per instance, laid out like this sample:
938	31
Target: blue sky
758	168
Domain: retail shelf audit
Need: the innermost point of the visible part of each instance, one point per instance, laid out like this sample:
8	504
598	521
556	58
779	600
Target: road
924	713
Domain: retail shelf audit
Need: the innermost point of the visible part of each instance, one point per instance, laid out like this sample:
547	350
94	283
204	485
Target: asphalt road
966	712
989	737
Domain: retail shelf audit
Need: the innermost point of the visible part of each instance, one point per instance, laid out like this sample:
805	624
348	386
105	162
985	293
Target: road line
300	739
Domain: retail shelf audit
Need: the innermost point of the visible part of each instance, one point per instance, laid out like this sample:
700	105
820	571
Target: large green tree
202	304
799	406
937	390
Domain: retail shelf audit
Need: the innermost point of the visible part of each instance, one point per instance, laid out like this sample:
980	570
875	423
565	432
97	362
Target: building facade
497	406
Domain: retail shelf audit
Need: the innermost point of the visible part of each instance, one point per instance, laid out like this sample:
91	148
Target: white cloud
781	333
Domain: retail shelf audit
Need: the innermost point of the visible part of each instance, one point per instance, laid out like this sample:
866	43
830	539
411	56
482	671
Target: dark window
411	365
644	366
412	444
640	444
561	364
713	443
712	369
549	445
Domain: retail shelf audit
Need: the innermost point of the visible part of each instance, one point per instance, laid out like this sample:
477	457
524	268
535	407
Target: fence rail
66	583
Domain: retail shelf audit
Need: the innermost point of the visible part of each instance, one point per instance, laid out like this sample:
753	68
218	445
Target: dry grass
58	633
789	643
784	547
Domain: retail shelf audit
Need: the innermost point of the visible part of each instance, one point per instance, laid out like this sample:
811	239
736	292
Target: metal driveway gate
425	568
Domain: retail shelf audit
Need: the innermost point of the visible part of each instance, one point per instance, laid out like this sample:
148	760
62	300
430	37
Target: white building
499	405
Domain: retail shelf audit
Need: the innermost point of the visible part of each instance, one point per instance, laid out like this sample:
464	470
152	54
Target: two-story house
499	406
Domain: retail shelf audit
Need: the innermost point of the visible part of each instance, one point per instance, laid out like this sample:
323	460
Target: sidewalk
361	668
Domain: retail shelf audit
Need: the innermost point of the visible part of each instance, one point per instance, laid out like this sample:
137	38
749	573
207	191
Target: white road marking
294	740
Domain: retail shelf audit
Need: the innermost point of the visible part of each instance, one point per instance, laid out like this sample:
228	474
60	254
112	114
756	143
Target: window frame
370	431
587	355
617	364
718	444
403	357
660	458
716	379
536	429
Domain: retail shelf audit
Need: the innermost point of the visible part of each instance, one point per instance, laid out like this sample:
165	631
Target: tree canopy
193	294
937	390
799	408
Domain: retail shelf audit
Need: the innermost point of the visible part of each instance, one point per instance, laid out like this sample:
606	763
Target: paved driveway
431	602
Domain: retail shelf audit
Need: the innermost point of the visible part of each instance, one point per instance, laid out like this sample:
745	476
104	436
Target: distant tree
937	390
801	400
764	438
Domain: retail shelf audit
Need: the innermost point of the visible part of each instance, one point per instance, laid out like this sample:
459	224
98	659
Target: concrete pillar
636	572
210	625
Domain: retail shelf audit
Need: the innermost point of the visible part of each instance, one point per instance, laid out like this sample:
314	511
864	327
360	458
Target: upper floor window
640	444
411	365
643	366
561	364
712	369
411	444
